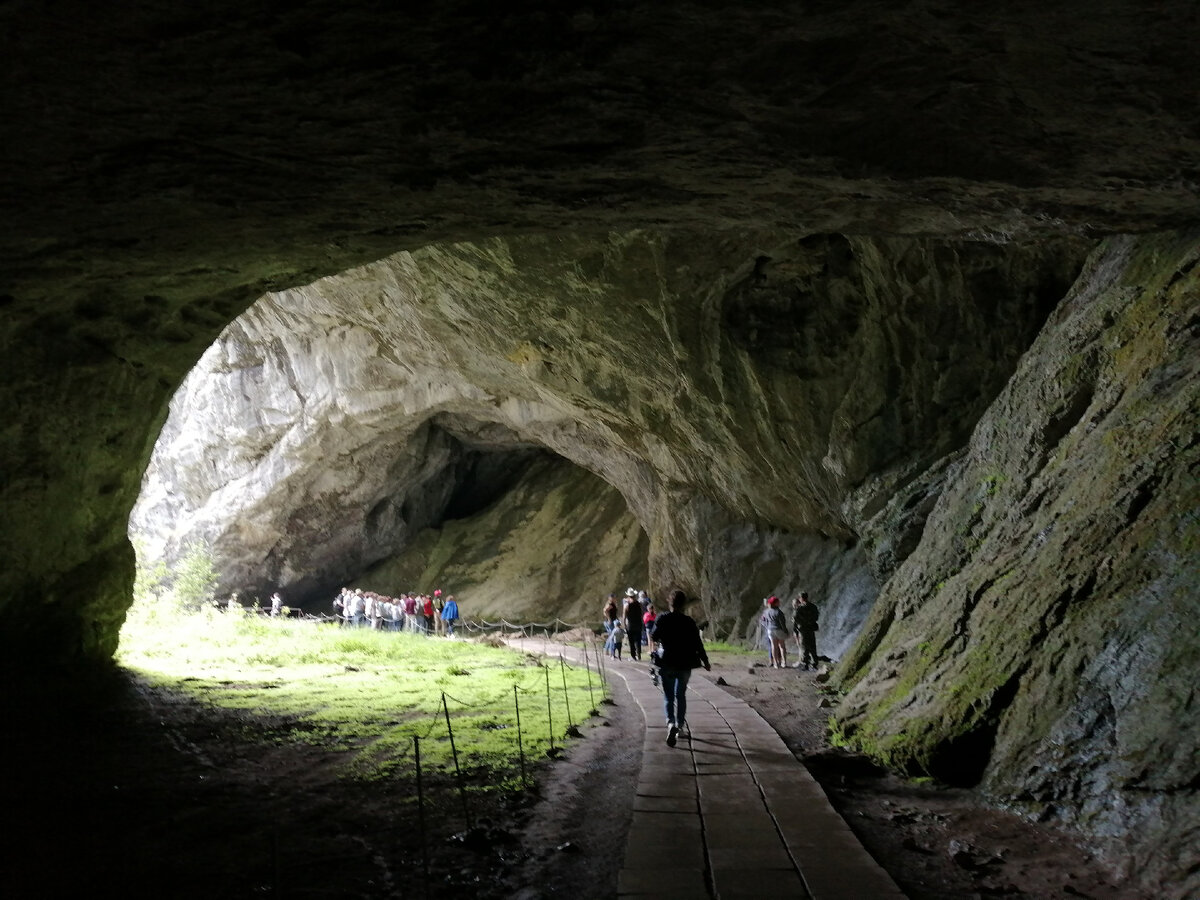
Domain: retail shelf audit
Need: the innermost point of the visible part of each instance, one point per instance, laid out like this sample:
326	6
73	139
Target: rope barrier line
527	684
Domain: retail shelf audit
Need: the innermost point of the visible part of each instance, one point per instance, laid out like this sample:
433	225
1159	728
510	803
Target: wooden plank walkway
729	812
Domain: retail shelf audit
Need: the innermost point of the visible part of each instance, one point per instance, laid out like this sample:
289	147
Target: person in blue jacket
450	615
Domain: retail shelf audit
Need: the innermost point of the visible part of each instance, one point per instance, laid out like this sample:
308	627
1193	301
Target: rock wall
752	402
551	547
1040	641
1012	475
164	168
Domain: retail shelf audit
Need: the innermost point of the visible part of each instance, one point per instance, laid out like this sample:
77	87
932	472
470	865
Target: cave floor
110	781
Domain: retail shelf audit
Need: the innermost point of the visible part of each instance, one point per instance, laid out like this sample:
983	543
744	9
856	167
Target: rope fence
441	725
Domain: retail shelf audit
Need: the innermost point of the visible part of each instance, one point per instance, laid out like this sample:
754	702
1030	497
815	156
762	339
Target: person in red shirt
648	618
427	613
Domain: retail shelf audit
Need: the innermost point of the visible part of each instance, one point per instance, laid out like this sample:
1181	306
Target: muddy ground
115	787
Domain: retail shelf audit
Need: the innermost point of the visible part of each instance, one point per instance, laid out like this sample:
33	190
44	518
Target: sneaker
672	733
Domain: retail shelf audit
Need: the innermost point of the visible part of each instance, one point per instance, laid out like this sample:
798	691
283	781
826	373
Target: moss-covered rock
1039	641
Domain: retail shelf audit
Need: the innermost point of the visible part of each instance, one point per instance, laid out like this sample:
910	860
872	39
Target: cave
895	301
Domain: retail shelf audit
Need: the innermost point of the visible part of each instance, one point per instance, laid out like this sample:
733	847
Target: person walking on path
775	624
804	627
681	650
617	636
633	627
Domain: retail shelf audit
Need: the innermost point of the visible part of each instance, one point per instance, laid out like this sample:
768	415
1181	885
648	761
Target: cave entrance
300	457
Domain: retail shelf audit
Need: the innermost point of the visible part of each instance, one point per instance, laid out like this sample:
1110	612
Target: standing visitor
354	608
609	614
608	620
682	650
804	627
617	637
764	636
648	618
276	605
633	626
427	612
438	605
450	614
644	599
775	624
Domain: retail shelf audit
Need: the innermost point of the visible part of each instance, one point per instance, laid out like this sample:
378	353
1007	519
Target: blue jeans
674	685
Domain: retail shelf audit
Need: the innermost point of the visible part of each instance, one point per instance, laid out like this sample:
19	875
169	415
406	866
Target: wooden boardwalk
729	812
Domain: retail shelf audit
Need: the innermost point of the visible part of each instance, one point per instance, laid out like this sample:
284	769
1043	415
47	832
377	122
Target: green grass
723	647
364	693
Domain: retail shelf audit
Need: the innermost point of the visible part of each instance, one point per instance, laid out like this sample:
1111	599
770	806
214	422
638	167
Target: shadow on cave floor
154	794
112	781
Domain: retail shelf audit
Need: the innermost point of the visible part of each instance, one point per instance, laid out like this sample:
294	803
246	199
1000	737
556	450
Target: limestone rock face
547	551
331	423
165	167
1041	640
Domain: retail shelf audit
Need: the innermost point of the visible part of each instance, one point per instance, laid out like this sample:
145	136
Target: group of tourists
634	619
426	614
804	630
676	646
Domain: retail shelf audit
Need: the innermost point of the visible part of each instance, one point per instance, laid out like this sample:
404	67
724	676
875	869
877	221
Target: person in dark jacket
680	650
804	627
633	627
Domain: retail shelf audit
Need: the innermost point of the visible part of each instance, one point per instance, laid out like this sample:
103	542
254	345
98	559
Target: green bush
195	581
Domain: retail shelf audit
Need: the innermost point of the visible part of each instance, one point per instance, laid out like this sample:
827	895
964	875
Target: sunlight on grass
360	691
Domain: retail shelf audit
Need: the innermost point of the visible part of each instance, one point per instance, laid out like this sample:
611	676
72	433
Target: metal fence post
549	711
520	743
562	667
462	791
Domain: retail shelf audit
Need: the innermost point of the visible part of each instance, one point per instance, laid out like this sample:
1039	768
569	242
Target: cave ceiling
203	153
166	164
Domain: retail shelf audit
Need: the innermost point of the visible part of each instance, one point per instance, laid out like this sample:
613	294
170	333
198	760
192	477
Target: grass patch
362	692
723	647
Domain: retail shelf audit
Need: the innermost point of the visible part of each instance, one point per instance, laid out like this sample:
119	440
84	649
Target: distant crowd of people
634	619
428	614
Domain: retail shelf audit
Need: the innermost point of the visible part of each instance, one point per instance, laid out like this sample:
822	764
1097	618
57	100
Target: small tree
149	578
195	578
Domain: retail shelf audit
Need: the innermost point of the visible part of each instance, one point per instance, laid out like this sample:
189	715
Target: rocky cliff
331	423
1040	640
998	442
